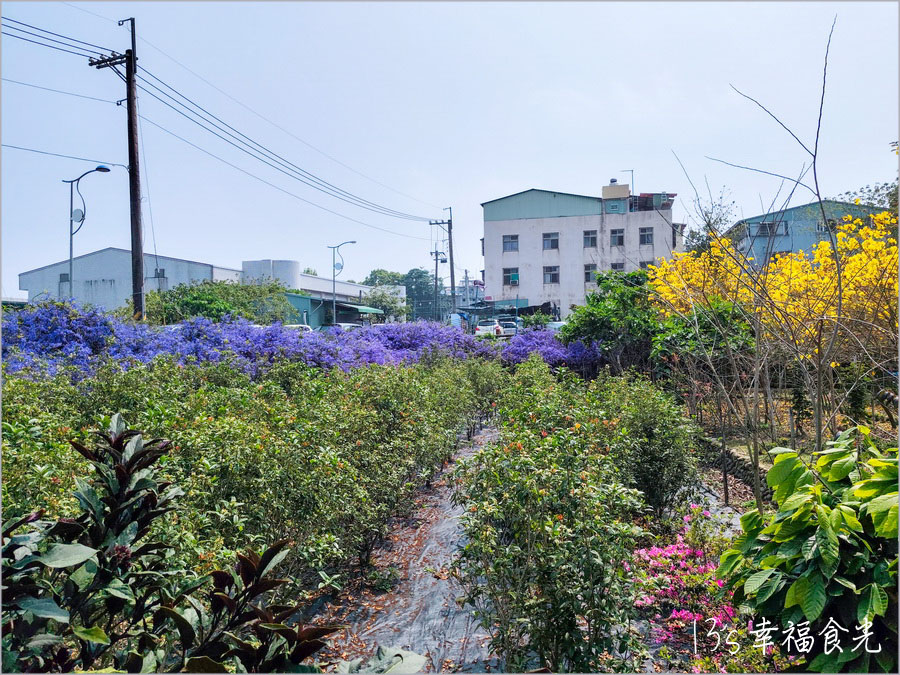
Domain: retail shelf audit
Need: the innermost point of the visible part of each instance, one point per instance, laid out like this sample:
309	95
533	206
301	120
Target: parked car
342	326
299	326
488	327
509	328
555	325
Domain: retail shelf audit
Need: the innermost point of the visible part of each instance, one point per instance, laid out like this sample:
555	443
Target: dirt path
419	613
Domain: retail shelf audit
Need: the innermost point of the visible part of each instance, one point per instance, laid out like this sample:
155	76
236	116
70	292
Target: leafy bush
654	440
619	317
322	458
89	593
548	525
262	303
536	320
829	553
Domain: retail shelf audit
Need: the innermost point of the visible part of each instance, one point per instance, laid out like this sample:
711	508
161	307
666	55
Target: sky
420	106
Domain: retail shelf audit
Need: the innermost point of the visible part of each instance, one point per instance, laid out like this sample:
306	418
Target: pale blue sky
453	104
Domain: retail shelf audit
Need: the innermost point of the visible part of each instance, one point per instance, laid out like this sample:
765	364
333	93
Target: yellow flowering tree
810	312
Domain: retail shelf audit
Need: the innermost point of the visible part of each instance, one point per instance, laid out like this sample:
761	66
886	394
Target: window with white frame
551	274
510	242
510	276
551	240
646	236
618	267
617	237
590	238
590	273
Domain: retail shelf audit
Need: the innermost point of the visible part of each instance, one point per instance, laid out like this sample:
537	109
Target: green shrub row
320	458
552	512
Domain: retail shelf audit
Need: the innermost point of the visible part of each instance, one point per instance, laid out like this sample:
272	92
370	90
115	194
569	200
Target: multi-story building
541	246
799	228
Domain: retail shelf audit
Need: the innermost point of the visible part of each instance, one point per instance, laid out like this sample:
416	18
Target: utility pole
134	172
437	258
449	230
466	282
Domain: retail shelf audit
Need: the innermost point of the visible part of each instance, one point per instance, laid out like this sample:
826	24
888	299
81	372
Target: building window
824	228
612	207
646	236
617	237
590	272
551	240
551	275
770	229
618	267
645	264
590	238
510	276
510	242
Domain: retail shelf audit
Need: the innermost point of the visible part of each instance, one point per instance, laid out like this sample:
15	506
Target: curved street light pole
334	250
73	184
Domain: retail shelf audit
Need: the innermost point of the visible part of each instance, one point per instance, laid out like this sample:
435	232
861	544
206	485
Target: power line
49	39
280	189
259	115
103	50
58	91
56	154
43	44
305	176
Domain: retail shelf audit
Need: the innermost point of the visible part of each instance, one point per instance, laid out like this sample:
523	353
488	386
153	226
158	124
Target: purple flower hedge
46	337
545	342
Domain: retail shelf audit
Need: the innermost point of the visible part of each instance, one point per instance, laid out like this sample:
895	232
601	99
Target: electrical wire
103	50
248	152
146	175
58	91
259	115
56	154
280	189
42	44
323	186
49	39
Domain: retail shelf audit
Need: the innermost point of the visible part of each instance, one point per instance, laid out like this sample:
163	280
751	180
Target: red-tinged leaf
316	632
30	518
221	600
245	568
263	586
306	648
222	579
254	557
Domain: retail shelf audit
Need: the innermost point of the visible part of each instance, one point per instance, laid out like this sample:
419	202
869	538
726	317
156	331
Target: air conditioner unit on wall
514	282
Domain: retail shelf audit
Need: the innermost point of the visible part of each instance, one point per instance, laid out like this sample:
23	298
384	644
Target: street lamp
334	273
77	216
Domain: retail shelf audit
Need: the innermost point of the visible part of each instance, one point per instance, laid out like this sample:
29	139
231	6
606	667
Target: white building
542	246
103	278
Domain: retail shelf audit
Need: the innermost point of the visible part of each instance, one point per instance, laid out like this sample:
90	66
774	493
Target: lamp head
102	168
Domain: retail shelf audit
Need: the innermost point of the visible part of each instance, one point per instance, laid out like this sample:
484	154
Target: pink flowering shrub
677	585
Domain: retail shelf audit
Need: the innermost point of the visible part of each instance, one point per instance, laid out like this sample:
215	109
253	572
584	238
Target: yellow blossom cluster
799	297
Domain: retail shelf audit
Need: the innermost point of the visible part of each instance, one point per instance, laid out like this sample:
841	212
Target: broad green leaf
93	634
784	465
751	520
886	522
865	610
842	468
849	517
847	583
882	503
769	589
66	555
46	608
42	640
879	599
813	601
84	575
797	592
829	545
119	589
795	500
756	580
809	547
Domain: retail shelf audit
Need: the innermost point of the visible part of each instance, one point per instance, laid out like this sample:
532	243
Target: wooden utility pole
134	172
437	258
